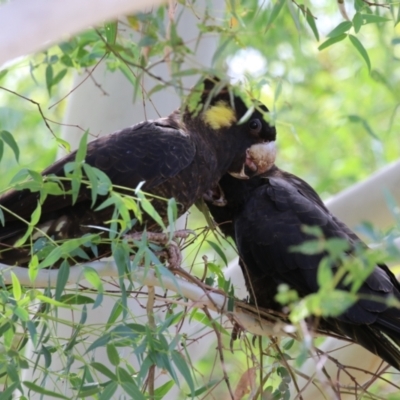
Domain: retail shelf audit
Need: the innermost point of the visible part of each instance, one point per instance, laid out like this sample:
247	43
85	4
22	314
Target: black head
241	131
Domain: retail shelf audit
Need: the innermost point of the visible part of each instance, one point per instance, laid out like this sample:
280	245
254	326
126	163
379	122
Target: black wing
150	151
270	223
154	152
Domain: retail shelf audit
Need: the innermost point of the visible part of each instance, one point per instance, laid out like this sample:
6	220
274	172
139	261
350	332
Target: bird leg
172	251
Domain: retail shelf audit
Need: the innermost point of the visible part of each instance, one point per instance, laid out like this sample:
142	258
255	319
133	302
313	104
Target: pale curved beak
259	159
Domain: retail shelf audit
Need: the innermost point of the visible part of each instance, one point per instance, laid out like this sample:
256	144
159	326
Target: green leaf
93	181
112	354
82	149
308	247
65	250
150	210
62	279
205	388
311	22
92	276
3	73
397	20
2	220
16	286
33	268
373	19
332	41
337	246
40	389
294	14
129	385
276	9
109	391
217	54
32	332
365	124
104	370
76	299
340	29
172	211
219	251
324	274
36	215
89	389
183	368
21	313
53	188
357	22
59	76
111	30
312	230
10	141
162	391
331	303
49	78
360	48
288	345
115	312
64	144
34	220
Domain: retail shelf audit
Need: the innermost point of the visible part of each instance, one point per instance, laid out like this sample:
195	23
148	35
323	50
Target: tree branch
253	320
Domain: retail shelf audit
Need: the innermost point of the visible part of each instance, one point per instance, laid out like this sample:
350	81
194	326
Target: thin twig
220	351
33	102
80	83
152	326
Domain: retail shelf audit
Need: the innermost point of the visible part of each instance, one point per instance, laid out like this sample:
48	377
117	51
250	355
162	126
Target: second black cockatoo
265	215
180	156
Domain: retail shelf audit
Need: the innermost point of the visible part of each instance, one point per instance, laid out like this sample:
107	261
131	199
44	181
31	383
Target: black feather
265	216
179	156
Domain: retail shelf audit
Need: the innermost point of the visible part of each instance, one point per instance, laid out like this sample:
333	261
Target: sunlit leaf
276	9
361	49
8	138
3	73
311	22
16	286
357	22
332	41
340	29
150	210
373	18
49	77
111	30
325	274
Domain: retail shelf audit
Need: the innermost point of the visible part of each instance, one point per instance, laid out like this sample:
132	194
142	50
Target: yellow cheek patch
220	115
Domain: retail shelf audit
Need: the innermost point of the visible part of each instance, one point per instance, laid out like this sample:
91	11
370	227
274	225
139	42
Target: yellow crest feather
220	115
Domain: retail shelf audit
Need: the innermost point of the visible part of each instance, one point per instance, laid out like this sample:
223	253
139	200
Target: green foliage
331	87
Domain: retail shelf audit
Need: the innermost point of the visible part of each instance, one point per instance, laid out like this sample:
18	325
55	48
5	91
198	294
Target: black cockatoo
180	156
265	215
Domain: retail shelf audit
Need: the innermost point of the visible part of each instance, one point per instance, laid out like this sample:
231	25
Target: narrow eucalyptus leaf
8	138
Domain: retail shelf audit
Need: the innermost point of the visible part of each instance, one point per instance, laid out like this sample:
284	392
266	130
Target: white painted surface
28	26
